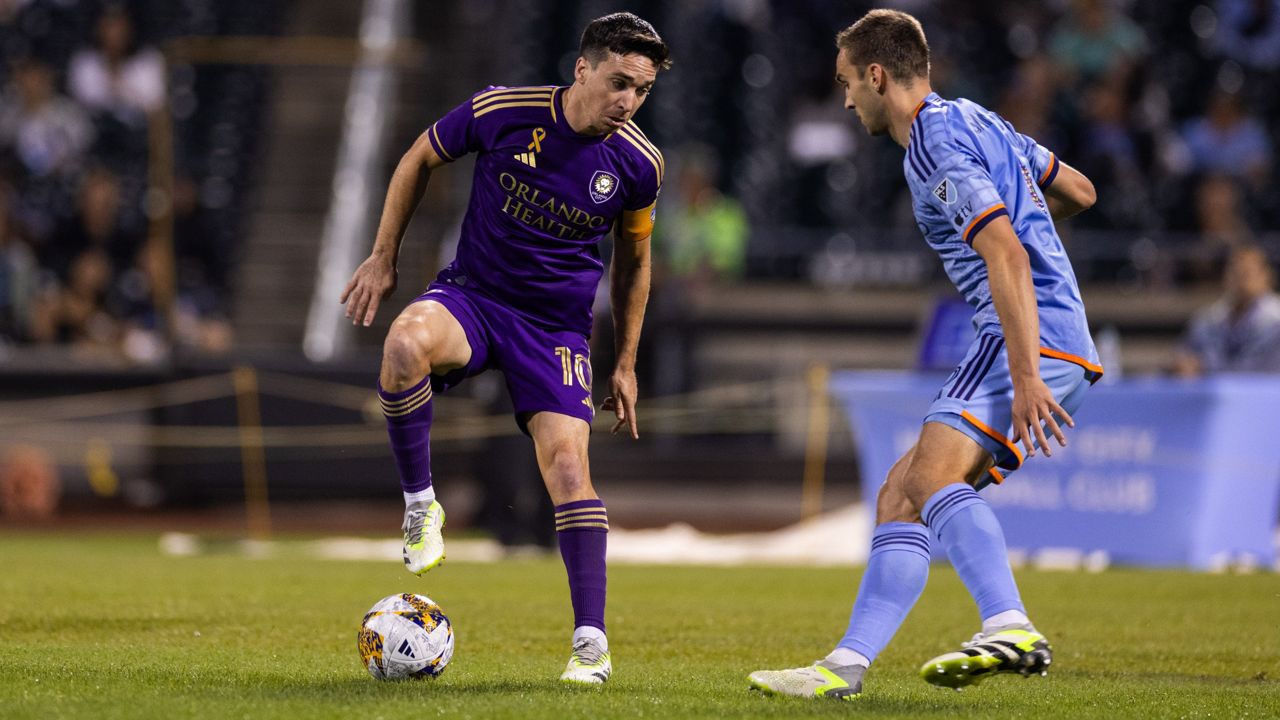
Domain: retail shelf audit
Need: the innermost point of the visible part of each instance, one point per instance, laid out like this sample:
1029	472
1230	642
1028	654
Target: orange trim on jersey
1048	171
917	110
979	218
995	475
1059	355
637	225
993	434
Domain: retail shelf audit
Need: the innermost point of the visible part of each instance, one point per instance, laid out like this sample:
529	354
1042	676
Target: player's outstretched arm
629	293
1070	193
375	279
1009	276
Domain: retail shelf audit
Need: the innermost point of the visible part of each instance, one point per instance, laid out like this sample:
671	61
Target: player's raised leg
582	528
424	340
968	530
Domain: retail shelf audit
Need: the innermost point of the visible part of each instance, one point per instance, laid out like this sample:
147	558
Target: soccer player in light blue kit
986	199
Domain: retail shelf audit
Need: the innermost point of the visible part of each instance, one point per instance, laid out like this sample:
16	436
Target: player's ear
580	69
875	74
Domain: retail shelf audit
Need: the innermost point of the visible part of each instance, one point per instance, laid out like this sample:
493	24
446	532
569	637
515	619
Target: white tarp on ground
837	538
840	537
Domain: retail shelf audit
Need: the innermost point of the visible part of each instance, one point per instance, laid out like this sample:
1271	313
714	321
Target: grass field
107	627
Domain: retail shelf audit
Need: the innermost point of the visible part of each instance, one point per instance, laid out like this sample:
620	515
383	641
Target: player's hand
371	283
1034	407
623	401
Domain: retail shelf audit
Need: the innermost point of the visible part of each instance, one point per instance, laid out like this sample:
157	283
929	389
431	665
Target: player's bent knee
405	357
566	475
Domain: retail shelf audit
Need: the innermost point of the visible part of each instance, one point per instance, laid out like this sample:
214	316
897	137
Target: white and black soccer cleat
1013	650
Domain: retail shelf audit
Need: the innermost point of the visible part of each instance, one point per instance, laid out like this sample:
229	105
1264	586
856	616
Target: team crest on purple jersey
603	186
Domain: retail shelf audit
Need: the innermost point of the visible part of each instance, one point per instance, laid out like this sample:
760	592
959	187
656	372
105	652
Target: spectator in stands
76	314
47	132
1249	31
1228	140
131	301
705	239
1096	41
118	77
19	275
1240	332
1220	216
1028	101
95	225
1109	152
203	276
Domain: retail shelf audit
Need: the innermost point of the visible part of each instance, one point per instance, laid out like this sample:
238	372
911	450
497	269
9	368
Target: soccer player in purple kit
986	199
557	168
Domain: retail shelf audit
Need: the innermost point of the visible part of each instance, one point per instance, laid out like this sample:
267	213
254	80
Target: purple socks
409	427
582	527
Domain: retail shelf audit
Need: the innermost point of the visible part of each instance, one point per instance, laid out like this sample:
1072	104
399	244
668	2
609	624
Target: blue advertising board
1157	472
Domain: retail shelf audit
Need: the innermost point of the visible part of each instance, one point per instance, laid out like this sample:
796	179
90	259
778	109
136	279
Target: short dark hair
623	33
890	38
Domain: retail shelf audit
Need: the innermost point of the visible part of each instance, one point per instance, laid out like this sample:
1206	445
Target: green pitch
105	627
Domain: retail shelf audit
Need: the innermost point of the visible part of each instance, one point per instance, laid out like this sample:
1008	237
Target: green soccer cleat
589	664
1013	650
423	543
815	681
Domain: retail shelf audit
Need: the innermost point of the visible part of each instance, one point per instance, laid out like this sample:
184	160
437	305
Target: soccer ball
405	636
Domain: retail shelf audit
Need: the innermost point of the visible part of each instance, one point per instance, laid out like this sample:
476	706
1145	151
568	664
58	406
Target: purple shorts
546	370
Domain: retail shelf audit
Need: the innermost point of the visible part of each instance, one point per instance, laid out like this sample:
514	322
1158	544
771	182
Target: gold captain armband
637	225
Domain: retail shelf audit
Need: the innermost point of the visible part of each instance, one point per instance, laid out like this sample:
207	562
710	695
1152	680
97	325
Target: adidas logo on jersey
531	158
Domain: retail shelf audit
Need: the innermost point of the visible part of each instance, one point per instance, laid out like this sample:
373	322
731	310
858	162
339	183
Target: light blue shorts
977	399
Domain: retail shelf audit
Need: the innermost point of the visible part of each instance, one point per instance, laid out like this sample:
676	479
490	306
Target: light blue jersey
967	166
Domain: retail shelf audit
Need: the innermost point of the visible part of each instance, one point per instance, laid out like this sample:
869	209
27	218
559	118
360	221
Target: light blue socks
897	570
968	530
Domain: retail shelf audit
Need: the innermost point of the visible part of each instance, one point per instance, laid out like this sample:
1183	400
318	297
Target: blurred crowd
1168	105
84	220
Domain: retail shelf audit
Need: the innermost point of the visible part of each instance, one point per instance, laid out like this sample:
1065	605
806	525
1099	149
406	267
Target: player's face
860	95
614	89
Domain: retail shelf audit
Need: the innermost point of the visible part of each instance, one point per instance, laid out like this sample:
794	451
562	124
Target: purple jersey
542	196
